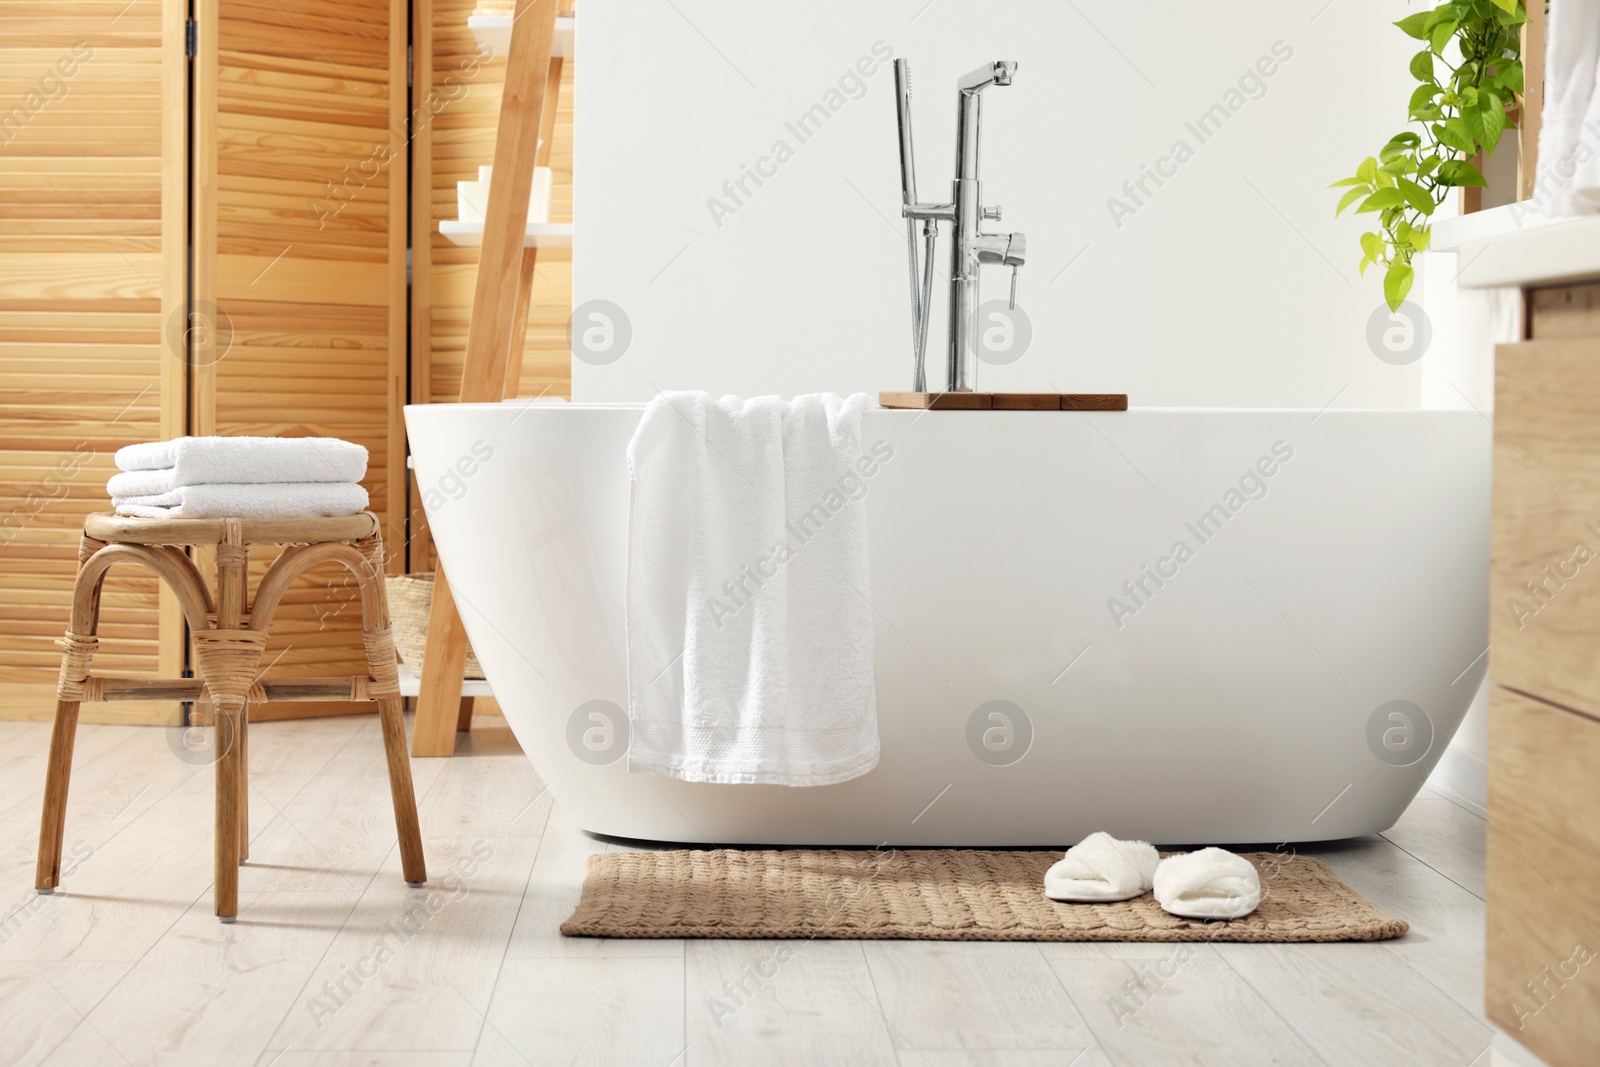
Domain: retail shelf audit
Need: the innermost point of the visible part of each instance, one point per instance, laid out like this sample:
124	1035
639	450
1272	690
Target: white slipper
1102	868
1210	884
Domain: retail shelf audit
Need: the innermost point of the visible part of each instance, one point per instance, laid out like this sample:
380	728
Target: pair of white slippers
1212	883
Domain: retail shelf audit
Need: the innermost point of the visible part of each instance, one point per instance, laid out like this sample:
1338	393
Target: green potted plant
1456	113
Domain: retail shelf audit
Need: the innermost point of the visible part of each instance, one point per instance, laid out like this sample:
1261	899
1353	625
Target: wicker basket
410	601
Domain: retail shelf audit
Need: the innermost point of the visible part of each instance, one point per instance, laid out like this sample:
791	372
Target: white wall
1232	285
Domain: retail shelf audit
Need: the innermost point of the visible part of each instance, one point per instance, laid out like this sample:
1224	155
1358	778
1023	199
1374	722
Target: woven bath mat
933	895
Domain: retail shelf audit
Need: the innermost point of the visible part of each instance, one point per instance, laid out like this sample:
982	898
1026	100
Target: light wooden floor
333	961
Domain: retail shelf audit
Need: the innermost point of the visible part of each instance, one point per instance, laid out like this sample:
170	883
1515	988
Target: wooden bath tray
1006	401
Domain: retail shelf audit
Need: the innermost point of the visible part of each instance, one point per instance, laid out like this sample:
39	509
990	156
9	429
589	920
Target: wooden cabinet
1543	867
1545	575
1543	876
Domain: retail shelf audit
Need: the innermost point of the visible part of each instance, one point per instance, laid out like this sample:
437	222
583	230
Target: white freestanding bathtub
1049	661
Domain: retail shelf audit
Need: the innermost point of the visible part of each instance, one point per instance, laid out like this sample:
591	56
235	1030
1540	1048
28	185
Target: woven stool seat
230	634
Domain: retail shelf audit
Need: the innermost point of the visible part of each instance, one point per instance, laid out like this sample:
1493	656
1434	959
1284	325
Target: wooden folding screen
285	311
92	232
300	178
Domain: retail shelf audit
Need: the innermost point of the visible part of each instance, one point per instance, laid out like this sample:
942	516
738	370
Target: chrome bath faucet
972	247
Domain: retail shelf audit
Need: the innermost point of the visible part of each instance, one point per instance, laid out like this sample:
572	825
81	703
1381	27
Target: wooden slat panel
91	261
301	191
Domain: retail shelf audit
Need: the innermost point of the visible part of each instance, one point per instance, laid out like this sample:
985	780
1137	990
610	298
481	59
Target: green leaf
1397	283
1423	95
1457	135
1416	195
1412	25
1372	245
1458	172
1368	171
1485	121
1422	66
1441	34
1508	6
1420	238
1509	74
1347	181
1383	198
1349	198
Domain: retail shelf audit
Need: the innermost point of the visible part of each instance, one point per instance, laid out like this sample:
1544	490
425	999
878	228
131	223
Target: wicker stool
229	637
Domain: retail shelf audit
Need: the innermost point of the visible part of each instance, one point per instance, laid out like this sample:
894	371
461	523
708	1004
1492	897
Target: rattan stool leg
229	659
77	653
53	820
391	715
384	684
244	784
226	890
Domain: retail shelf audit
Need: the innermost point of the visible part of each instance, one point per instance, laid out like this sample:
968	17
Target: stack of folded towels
239	477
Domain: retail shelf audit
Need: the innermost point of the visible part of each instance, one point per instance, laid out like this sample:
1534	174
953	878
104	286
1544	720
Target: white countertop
1513	247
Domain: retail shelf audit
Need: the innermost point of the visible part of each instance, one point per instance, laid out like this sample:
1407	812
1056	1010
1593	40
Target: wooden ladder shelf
495	334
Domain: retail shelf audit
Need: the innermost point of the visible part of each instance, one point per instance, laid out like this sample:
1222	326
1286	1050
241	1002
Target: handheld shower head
908	160
1000	72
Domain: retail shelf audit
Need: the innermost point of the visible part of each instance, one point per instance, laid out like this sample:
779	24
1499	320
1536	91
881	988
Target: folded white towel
246	501
1569	138
1212	883
749	631
1100	867
236	460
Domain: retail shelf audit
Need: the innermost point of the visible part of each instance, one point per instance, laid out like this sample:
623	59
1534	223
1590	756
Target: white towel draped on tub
749	629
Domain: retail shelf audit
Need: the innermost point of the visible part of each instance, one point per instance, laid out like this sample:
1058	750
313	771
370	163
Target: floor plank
1355	1006
1445	943
553	892
41	1004
1003	1058
1445	836
972	995
124	896
22	764
490	790
587	1012
327	831
222	987
1179	1010
414	969
341	1058
783	1002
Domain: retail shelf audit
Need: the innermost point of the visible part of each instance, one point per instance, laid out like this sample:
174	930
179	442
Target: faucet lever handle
1015	268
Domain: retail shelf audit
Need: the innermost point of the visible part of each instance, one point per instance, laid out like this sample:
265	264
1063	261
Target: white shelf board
411	684
1449	235
539	235
494	33
1551	254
